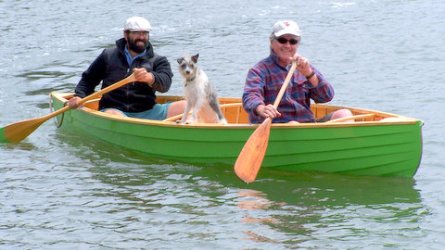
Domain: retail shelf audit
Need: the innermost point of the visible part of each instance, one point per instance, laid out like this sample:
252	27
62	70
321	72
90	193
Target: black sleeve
91	77
163	74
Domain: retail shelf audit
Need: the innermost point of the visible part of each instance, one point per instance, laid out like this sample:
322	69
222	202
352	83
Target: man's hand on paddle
267	111
142	75
302	64
74	102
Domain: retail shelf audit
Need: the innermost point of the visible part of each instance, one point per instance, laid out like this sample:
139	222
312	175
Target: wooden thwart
355	117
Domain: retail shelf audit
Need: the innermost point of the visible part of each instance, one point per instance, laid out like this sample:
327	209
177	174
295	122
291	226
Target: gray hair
272	37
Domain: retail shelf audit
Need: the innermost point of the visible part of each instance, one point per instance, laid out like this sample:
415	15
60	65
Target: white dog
199	93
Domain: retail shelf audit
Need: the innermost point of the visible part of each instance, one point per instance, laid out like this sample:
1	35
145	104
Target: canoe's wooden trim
175	118
355	117
379	118
238	106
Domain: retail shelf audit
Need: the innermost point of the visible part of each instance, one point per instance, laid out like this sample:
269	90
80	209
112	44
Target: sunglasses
140	33
283	40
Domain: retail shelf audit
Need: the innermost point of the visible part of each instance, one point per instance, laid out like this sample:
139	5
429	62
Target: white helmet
137	23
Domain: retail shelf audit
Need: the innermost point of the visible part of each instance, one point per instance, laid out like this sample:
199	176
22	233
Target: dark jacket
111	66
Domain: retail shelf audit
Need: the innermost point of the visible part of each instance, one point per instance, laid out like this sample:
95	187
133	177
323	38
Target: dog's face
188	65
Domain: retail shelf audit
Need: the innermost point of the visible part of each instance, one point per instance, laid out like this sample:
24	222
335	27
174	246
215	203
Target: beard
133	45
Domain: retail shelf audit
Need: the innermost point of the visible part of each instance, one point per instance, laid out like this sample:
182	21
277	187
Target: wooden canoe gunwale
91	107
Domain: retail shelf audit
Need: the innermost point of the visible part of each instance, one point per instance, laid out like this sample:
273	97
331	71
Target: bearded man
133	54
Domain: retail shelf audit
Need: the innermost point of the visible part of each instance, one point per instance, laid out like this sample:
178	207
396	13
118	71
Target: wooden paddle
251	157
18	131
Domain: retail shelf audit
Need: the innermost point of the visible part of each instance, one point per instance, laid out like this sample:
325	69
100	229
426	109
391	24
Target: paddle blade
18	131
251	157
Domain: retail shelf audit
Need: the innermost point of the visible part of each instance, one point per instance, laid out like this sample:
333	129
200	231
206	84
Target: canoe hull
384	150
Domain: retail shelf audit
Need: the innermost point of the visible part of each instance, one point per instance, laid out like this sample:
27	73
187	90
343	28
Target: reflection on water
306	205
288	208
255	200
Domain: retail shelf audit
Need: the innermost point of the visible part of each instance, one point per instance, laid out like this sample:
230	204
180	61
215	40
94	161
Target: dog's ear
179	60
195	58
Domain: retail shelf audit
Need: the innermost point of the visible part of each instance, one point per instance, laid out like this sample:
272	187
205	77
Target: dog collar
190	80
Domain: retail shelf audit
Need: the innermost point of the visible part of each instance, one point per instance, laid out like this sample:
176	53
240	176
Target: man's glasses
140	33
283	40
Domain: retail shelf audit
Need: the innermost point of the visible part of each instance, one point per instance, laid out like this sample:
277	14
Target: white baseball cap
137	23
286	27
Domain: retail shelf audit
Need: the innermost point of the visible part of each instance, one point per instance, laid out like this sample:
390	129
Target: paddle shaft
286	82
18	131
251	157
97	94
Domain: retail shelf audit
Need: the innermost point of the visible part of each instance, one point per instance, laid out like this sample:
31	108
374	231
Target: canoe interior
235	114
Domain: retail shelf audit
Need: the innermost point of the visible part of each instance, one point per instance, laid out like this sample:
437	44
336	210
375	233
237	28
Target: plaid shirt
263	84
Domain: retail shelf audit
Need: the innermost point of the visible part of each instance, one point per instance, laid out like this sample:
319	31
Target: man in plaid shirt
265	79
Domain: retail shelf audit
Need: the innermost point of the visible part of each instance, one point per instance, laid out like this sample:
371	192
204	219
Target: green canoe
377	143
